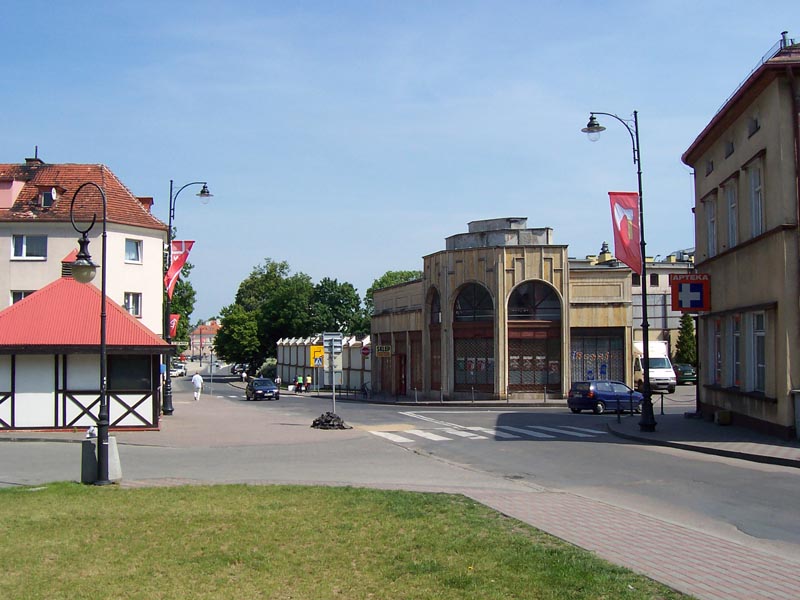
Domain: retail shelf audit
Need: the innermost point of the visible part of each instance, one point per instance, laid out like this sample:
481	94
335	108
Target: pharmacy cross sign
690	292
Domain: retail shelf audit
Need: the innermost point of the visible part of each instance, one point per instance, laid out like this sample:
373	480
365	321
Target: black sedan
685	373
262	388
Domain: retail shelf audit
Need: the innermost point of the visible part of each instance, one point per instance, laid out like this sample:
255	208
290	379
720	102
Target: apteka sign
691	292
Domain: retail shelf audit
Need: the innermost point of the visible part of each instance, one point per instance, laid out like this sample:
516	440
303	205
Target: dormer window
48	196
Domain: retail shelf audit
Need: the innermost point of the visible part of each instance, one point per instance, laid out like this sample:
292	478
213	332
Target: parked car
602	396
262	388
685	373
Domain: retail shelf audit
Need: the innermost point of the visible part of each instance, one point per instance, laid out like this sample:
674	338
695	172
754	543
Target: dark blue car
602	396
262	388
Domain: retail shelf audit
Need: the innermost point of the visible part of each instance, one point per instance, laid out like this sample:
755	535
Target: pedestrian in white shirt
197	382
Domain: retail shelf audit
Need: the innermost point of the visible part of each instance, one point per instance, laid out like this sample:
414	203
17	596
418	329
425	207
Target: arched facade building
502	312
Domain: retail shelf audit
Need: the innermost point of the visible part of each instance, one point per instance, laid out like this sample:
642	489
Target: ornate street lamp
204	196
592	130
83	270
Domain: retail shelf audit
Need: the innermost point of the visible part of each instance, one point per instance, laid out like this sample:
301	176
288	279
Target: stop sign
365	351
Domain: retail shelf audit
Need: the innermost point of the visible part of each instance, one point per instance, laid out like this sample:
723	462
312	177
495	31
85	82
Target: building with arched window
503	312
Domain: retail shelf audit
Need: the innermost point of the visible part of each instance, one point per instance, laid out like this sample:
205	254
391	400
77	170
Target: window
133	303
753	125
17	295
29	246
711	226
654	280
733	221
637	280
709	167
736	349
48	197
755	179
729	148
133	251
716	361
759	351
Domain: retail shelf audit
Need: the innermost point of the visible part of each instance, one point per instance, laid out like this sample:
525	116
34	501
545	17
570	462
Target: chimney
34	161
146	201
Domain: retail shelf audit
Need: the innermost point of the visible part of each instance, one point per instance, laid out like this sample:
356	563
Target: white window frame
138	245
759	351
19	251
755	184
17	295
716	362
736	351
733	213
133	303
711	226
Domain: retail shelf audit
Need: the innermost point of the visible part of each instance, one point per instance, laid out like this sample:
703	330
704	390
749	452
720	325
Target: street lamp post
83	270
593	129
204	195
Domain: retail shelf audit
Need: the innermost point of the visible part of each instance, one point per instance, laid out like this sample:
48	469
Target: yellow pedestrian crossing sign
316	352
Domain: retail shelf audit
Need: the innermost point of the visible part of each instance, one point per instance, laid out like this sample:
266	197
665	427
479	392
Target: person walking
299	387
197	383
308	382
278	381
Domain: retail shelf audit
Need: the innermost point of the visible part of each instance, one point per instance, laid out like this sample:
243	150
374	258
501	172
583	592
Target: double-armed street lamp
204	195
592	130
83	271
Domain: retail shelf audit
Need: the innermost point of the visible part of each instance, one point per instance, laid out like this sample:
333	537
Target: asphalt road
555	449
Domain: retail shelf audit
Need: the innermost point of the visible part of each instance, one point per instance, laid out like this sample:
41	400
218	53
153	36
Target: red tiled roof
122	206
66	314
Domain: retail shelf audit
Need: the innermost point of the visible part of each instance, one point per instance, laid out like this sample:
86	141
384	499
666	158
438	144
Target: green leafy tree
388	279
287	312
238	340
686	348
261	284
335	306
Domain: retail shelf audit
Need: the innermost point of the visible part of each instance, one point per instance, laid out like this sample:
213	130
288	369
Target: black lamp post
204	194
83	270
593	129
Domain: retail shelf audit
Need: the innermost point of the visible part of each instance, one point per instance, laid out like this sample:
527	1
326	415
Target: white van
662	375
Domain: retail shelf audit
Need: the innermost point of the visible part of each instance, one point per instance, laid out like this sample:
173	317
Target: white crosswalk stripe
527	432
462	433
428	435
584	429
561	431
482	433
392	437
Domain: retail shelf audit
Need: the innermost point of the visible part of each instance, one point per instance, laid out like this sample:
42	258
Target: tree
238	340
286	312
335	306
686	348
261	284
386	280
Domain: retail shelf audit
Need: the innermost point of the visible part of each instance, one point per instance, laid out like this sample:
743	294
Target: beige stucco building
747	201
502	313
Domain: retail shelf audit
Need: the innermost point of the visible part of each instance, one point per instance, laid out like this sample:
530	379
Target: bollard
89	461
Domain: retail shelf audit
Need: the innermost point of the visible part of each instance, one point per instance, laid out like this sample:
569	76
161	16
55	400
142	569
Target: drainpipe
793	87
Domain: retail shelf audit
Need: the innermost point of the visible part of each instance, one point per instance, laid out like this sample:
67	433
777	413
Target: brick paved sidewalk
692	562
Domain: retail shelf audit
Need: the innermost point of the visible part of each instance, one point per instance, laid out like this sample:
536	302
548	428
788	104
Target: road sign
332	342
691	292
365	351
316	352
318	361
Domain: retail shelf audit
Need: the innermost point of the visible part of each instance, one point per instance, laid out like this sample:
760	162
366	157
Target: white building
37	240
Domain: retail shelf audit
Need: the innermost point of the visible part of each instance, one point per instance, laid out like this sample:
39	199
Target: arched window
534	301
474	303
436	308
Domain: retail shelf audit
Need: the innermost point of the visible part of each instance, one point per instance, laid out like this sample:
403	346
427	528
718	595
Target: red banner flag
180	253
173	326
627	237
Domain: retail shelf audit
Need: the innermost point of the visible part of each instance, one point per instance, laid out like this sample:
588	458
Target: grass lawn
71	541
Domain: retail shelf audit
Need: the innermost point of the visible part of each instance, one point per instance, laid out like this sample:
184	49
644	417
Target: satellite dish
54	193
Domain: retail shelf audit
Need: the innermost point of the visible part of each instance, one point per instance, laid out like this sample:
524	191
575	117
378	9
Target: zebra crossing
499	432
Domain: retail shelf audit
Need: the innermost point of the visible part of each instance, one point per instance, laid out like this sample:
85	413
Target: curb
759	458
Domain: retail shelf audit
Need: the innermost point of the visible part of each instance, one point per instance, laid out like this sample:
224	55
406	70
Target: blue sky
350	138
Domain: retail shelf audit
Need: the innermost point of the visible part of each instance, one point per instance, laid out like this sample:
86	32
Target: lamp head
83	269
593	129
204	194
